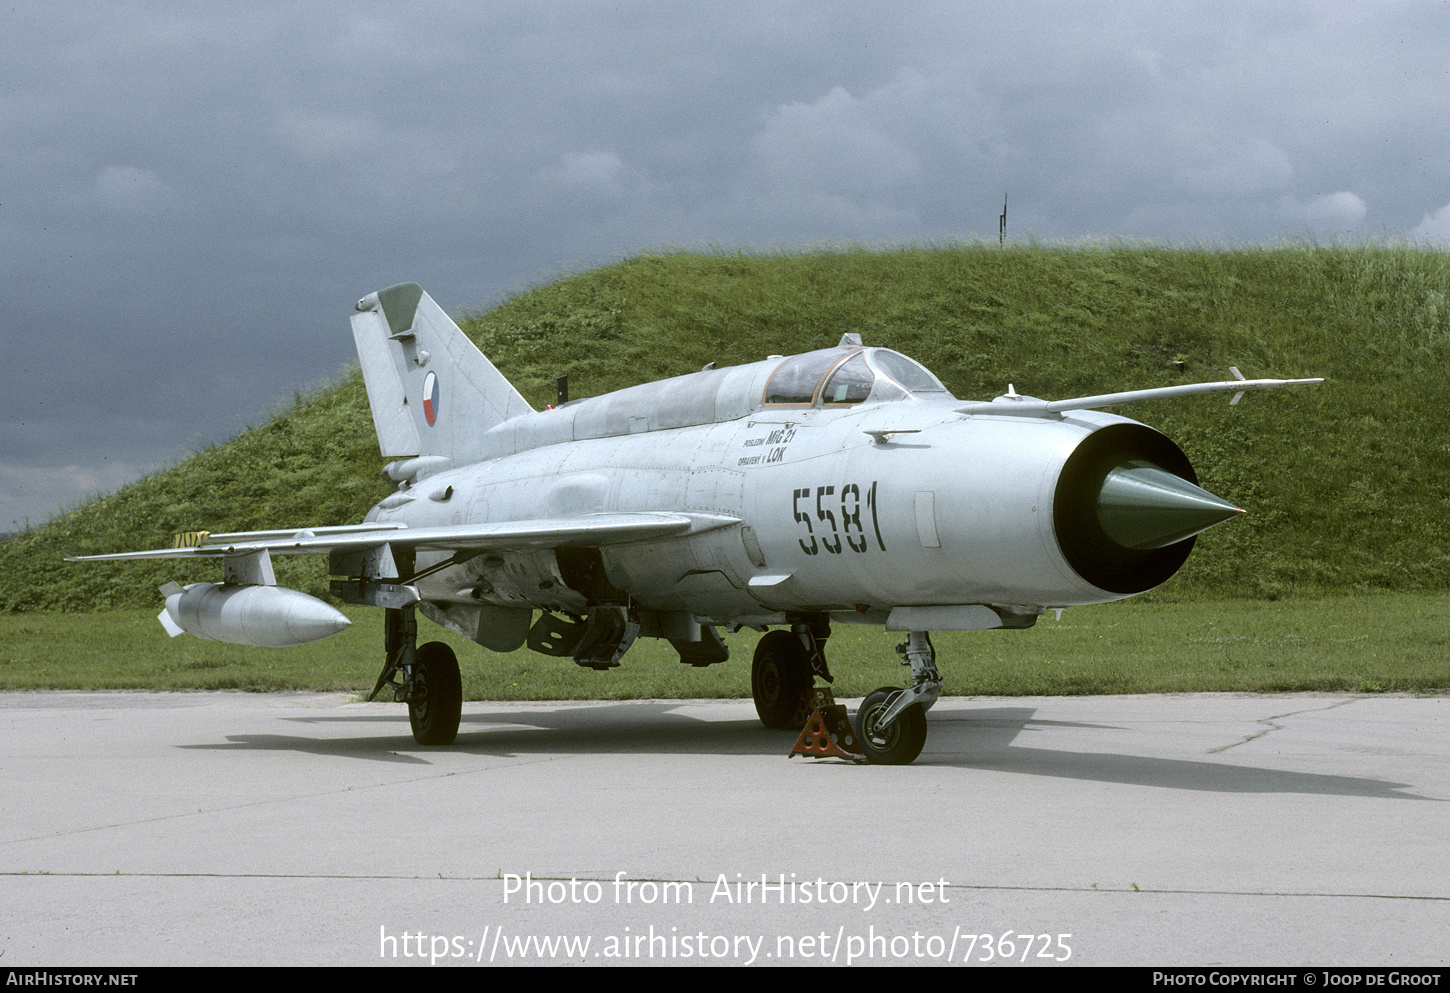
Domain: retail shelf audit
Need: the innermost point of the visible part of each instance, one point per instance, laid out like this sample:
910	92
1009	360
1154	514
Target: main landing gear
890	724
782	676
779	679
425	678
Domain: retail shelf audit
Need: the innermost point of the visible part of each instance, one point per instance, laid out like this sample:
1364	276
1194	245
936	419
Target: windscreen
912	375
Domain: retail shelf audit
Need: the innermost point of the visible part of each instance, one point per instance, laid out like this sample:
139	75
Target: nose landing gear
890	726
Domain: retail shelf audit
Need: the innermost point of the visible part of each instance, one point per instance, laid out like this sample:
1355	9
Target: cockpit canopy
841	377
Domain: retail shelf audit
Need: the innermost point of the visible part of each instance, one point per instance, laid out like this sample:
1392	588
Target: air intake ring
1127	509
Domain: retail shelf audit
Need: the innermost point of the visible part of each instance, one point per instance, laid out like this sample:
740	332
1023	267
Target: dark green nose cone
1141	506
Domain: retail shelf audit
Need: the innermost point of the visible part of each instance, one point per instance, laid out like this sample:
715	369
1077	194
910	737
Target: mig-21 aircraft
843	485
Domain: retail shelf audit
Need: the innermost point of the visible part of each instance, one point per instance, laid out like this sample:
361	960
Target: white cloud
838	144
1331	213
1435	227
871	165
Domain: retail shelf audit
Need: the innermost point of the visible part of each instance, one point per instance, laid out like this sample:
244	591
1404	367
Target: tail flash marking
430	398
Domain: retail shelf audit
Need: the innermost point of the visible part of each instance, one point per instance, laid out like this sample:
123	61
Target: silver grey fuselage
933	508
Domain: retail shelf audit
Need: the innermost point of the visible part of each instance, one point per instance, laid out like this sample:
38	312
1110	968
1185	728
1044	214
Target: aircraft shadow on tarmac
972	739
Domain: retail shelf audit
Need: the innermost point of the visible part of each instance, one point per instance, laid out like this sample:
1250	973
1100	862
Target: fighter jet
841	486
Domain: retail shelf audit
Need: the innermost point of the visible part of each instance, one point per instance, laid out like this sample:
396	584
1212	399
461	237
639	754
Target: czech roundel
430	398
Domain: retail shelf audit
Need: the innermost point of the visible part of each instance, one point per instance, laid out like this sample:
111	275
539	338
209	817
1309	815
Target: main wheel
779	677
898	743
437	700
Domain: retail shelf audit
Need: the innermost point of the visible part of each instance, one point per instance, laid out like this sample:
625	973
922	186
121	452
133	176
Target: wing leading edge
593	529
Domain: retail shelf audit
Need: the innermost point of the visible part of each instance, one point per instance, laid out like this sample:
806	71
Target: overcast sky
193	196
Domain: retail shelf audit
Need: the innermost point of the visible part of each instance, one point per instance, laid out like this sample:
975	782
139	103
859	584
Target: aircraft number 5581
836	535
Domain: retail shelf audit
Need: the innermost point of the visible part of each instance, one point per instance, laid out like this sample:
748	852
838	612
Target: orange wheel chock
828	734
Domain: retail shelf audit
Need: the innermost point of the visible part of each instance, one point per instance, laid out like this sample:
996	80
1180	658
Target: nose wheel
891	724
895	742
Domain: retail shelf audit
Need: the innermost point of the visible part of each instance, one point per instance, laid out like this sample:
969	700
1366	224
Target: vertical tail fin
431	391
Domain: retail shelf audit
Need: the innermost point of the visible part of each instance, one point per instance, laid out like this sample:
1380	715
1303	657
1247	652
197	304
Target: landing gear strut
425	678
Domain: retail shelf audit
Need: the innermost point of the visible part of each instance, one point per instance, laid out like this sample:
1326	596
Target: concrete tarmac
288	829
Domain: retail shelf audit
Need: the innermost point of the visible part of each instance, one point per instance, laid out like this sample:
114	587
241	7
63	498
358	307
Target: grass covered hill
1346	483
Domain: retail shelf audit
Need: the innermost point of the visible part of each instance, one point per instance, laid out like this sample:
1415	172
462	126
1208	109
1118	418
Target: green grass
1382	643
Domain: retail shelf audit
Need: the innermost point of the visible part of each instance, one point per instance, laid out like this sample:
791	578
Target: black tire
779	677
900	742
438	705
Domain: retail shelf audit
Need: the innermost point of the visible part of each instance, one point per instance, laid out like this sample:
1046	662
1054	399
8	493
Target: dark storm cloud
191	198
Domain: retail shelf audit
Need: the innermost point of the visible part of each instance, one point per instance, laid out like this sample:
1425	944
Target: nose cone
1143	507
